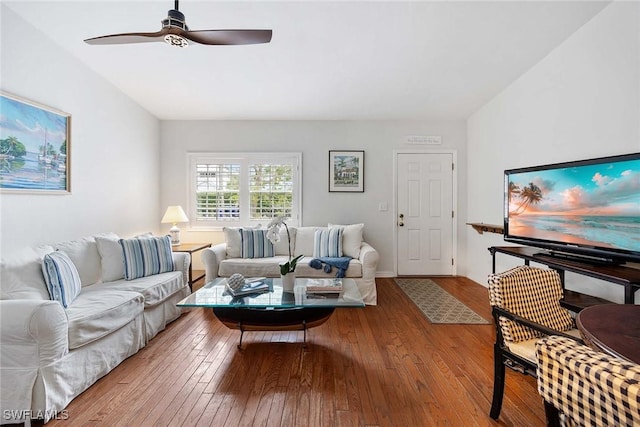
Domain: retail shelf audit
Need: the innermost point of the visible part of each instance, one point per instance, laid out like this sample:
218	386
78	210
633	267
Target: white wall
314	139
581	101
114	147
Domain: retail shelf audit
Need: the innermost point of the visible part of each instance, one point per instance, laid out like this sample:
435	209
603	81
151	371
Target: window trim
244	158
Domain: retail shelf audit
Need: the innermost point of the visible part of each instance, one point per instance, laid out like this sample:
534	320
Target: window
242	189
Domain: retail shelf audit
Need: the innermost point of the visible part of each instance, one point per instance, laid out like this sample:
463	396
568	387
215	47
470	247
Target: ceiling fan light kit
174	40
176	33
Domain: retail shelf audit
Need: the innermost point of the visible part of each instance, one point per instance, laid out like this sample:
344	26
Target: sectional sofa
53	350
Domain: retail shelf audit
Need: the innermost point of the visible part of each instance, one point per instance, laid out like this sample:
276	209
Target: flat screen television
586	208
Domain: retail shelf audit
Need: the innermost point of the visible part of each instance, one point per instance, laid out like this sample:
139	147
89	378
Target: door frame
454	184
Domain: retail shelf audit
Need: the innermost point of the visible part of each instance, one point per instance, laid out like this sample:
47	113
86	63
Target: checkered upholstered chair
584	387
526	306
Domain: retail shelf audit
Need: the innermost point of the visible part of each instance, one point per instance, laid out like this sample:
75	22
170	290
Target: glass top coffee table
275	310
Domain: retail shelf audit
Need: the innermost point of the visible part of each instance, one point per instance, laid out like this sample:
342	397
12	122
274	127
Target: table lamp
174	215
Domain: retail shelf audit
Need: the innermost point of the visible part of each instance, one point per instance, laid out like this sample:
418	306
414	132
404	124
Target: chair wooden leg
552	414
498	382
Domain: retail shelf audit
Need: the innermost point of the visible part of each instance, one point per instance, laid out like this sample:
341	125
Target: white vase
288	281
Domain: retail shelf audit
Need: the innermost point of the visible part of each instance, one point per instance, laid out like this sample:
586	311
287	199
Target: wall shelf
481	227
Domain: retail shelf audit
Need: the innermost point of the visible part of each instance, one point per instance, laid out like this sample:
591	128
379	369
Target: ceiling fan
176	33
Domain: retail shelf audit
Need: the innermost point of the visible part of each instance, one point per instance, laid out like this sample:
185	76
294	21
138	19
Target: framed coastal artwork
346	171
34	147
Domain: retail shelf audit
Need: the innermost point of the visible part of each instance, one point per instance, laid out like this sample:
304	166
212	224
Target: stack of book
248	288
324	288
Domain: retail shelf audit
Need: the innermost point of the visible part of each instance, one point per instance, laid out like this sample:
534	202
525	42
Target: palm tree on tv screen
530	195
514	190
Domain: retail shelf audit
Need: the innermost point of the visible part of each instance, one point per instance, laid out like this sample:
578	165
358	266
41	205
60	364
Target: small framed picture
346	171
35	147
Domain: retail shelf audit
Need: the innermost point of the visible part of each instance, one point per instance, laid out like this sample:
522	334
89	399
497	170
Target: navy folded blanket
327	264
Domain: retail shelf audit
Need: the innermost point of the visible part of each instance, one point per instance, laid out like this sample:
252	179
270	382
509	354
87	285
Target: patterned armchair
583	387
526	306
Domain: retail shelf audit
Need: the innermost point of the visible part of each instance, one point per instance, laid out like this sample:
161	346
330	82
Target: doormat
437	304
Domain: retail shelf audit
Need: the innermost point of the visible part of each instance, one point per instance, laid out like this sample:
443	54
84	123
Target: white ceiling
327	60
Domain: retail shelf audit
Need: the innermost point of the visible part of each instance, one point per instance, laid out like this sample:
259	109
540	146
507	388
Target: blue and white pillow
254	244
327	243
146	256
61	277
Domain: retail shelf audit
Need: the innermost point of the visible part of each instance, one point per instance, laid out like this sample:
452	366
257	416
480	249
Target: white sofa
224	259
50	354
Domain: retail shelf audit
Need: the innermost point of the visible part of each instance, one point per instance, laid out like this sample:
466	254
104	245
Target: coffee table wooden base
272	319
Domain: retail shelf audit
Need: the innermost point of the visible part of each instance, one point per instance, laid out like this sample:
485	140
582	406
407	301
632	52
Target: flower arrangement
273	234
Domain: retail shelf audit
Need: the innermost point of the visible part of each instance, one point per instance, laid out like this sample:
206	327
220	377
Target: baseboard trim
385	274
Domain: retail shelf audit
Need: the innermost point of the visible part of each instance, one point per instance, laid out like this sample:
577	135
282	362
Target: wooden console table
575	301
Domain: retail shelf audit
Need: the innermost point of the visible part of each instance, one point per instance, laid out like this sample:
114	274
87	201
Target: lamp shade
174	214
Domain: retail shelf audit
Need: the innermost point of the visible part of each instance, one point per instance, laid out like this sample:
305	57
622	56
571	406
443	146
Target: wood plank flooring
383	365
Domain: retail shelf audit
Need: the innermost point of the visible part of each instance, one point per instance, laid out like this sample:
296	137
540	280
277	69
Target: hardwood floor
383	365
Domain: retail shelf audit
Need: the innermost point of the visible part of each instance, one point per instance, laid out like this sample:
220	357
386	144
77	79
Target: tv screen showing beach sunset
594	205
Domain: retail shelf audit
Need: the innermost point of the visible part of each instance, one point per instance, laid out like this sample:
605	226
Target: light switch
382	207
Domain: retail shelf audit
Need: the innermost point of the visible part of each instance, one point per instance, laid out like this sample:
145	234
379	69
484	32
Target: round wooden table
613	329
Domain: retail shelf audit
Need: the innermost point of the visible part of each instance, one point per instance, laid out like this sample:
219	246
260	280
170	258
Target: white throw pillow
85	256
351	239
305	238
282	247
61	277
233	239
112	257
21	275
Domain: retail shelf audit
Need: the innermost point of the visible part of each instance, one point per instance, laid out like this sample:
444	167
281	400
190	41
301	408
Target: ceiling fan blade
126	38
228	37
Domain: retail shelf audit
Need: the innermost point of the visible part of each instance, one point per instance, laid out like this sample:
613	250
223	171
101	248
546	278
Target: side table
190	248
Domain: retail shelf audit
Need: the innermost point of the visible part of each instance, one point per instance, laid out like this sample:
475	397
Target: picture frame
35	147
346	171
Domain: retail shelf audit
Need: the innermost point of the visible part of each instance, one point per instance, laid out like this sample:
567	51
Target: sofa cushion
351	239
155	289
21	275
85	256
146	256
269	267
255	244
328	243
111	255
99	311
304	270
256	267
305	239
61	277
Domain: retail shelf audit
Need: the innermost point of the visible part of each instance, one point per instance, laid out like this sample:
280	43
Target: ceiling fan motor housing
175	19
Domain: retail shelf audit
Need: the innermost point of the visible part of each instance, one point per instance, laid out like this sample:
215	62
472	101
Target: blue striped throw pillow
327	243
61	277
146	256
255	244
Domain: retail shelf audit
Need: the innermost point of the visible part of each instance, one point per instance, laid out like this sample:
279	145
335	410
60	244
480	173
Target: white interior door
425	213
